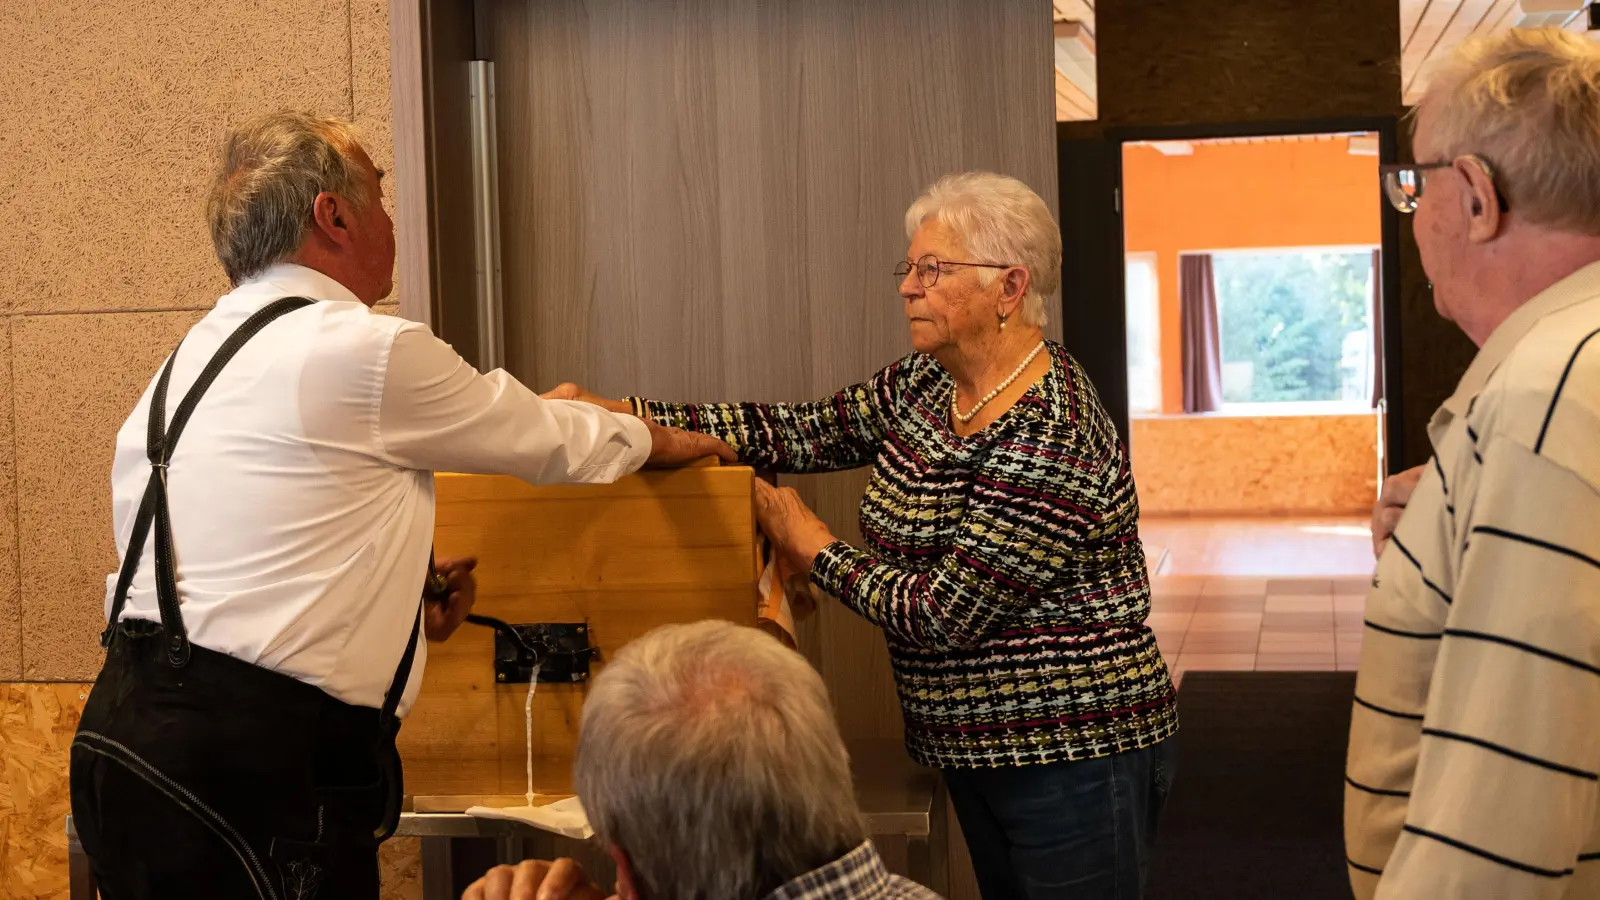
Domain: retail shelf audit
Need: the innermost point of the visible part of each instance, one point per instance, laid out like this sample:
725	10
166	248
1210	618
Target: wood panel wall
1170	62
705	201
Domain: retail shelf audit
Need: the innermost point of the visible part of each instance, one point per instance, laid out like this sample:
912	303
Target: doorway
1254	288
1252	296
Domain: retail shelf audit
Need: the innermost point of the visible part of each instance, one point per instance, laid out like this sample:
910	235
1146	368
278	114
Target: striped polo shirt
1474	766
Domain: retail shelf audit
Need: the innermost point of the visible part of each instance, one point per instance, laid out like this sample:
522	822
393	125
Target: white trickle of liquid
527	715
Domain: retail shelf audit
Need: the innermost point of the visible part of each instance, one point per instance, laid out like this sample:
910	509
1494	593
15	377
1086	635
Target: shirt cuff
640	442
832	567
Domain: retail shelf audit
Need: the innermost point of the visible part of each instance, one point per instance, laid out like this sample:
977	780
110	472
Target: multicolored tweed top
1004	567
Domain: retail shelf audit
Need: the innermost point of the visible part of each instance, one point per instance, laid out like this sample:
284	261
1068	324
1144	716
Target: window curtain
1202	341
1377	328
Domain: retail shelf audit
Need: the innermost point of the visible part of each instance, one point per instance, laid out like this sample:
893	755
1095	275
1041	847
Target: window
1144	334
1296	326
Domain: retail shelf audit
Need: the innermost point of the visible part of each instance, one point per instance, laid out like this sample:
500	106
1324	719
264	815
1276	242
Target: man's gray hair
709	754
1528	102
1000	220
273	167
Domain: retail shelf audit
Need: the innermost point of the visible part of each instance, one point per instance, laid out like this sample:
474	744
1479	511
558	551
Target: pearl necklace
964	419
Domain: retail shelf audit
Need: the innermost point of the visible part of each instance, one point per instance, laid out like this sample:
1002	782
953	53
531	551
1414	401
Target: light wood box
653	548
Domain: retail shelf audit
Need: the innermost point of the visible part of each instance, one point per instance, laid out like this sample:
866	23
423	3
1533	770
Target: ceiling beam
1410	14
1075	56
1469	16
1075	11
1072	104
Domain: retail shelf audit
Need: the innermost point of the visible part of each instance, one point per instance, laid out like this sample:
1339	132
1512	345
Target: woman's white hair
709	754
1528	102
999	220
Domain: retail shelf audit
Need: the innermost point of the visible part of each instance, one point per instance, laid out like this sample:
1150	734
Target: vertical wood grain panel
705	200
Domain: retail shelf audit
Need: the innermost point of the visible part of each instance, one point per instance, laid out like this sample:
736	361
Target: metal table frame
898	798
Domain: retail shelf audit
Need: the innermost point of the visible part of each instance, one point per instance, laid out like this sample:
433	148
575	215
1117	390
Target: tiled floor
1265	624
1258	594
1260	547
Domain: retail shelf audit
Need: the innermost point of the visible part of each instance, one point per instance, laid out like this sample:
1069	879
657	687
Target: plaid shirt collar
857	875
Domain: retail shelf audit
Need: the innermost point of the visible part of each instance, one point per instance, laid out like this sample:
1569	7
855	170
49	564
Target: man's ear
1482	199
627	886
330	218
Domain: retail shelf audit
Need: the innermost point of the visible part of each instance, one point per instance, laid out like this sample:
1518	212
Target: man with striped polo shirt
1474	767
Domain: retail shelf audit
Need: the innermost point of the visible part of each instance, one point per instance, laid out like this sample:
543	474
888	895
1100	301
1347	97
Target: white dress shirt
302	488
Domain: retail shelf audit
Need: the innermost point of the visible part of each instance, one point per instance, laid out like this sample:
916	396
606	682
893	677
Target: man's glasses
929	266
1403	182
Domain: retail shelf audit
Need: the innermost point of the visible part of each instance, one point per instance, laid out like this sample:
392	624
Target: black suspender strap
159	444
391	700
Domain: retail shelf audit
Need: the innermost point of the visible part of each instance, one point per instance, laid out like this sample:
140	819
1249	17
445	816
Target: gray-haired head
1528	102
1000	220
709	755
272	169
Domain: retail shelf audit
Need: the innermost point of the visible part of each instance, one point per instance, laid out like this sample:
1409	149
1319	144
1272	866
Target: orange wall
1229	196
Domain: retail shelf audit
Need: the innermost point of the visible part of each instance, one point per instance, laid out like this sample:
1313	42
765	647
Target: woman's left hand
440	619
792	528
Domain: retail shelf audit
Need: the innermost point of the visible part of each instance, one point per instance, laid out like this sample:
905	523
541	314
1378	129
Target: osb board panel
1171	62
76	379
653	548
37	722
1255	464
10	584
400	869
110	117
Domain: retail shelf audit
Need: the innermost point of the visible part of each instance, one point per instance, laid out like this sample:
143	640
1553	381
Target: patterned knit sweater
1004	568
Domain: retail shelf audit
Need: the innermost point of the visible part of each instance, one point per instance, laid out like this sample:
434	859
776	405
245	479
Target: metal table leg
438	869
80	877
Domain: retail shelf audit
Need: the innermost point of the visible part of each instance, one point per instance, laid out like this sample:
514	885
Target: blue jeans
1079	830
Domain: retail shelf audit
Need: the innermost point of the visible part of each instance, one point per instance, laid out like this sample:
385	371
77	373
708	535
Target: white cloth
302	488
565	817
1474	752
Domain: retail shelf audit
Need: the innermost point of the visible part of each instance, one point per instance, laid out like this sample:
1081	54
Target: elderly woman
1001	558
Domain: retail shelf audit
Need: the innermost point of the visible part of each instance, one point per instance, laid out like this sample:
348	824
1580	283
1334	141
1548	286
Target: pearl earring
1002	323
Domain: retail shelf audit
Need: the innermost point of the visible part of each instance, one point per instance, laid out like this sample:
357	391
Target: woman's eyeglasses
1403	182
929	266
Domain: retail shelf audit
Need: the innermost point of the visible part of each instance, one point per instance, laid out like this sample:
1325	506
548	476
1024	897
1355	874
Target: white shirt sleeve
438	413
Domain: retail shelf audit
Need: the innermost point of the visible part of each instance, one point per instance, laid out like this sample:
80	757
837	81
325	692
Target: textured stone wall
110	116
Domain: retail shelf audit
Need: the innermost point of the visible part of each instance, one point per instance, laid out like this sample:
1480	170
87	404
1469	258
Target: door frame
1387	128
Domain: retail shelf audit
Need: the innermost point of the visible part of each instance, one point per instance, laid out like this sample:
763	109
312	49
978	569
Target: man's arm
1508	776
438	413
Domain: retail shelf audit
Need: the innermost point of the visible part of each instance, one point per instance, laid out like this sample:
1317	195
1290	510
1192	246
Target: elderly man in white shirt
1474	765
264	641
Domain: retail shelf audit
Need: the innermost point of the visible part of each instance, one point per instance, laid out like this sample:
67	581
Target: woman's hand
668	446
571	391
792	528
441	618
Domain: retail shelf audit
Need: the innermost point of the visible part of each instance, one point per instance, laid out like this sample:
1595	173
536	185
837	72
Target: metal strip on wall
486	217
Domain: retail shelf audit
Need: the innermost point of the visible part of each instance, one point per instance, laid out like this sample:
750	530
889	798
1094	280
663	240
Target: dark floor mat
1256	810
